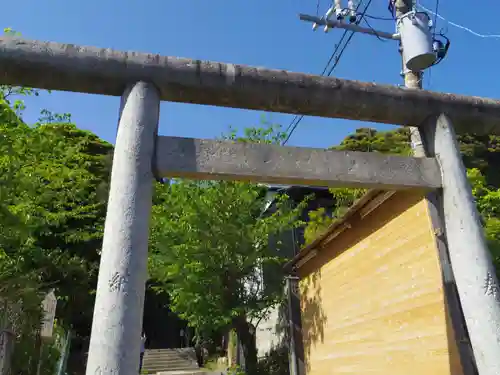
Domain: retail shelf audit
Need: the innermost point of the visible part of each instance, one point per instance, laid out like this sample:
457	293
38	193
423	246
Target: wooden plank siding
372	299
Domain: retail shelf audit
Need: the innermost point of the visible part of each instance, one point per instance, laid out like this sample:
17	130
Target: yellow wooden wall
373	302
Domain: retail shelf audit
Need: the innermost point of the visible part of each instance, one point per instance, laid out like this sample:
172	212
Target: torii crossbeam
143	80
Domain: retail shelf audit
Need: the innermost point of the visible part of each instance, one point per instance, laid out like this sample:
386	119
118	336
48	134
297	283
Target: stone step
177	361
168	360
176	350
171	358
173	362
168	368
155	369
154	359
186	353
170	354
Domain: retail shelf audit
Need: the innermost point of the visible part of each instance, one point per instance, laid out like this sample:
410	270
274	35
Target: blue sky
258	32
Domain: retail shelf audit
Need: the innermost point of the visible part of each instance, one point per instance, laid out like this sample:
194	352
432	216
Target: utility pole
421	52
413	80
470	269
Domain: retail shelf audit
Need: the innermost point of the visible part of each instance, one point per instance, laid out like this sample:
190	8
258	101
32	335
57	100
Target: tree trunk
246	336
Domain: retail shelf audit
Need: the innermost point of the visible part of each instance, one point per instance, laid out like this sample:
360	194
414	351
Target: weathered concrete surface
94	70
208	159
470	259
116	327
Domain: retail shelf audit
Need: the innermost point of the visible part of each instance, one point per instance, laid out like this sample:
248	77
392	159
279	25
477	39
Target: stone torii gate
143	80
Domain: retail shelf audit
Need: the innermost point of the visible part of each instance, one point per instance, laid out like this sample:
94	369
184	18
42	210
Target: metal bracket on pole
348	26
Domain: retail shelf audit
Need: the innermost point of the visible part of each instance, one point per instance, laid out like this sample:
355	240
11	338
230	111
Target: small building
373	296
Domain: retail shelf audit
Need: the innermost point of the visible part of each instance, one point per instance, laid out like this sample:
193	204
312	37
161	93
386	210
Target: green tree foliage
63	206
371	140
67	211
20	297
276	362
480	152
364	140
488	204
53	190
210	241
20	311
481	156
319	222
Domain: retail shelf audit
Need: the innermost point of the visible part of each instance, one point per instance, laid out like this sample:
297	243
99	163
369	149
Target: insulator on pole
339	9
352	5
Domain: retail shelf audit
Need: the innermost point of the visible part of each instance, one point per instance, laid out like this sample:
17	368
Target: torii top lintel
68	67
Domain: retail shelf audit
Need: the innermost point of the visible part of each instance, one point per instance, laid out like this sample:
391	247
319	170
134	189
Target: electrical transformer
416	40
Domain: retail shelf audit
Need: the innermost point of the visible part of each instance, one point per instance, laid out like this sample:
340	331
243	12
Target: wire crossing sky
249	33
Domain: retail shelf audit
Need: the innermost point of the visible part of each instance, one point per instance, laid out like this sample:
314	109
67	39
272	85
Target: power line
376	34
434	35
340	54
297	119
435	17
337	46
378	18
460	26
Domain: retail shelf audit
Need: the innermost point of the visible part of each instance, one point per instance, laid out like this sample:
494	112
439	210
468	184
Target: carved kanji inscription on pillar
117	282
491	287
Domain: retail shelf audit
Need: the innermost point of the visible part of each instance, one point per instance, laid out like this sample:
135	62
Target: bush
276	362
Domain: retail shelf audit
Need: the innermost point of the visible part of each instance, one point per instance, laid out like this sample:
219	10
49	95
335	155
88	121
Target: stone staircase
170	361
